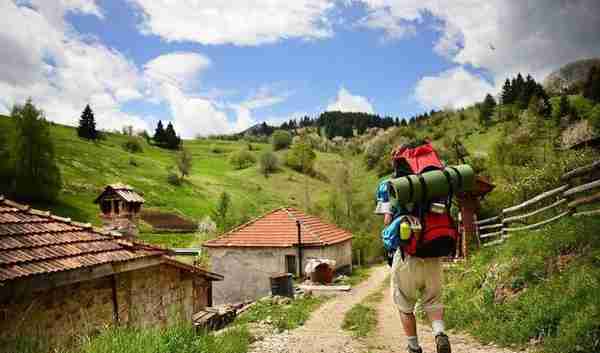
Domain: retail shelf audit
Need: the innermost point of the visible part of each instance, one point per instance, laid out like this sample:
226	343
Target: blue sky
216	66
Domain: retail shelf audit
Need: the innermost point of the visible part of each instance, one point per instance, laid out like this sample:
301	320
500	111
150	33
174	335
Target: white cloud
347	102
535	36
47	60
265	97
170	79
452	88
250	22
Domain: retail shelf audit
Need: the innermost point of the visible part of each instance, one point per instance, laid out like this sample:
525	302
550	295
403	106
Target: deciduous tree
37	177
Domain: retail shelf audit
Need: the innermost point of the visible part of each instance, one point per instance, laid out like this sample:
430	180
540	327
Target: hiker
416	264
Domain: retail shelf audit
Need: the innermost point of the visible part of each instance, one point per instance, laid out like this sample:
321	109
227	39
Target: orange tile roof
35	242
278	229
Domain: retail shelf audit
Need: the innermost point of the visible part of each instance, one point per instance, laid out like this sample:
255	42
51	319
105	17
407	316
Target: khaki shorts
412	275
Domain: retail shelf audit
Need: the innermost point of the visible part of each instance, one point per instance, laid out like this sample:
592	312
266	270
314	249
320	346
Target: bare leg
409	323
437	314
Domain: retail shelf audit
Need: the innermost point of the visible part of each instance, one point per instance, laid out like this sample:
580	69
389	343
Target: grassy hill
87	167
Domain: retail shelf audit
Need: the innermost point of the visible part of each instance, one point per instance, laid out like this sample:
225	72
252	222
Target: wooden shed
119	201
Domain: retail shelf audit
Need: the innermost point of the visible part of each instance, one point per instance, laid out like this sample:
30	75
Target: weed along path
323	332
389	336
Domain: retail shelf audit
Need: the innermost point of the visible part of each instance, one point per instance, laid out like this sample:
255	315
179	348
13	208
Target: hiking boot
442	344
412	350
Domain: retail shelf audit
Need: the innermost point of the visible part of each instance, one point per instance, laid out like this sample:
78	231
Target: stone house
280	241
61	279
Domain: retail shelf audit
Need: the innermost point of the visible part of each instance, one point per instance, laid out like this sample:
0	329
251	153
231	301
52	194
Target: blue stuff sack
390	235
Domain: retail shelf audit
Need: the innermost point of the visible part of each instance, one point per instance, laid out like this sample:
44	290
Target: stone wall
247	270
153	296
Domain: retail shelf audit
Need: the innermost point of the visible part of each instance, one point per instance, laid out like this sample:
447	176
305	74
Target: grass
358	275
361	319
283	317
87	167
177	339
182	339
540	287
174	240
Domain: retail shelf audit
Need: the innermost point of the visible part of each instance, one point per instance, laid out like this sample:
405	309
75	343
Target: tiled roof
126	192
35	242
278	229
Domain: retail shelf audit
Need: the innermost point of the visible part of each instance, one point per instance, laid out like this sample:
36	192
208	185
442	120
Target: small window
290	264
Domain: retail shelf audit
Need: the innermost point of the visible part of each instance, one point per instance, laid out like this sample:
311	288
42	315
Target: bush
173	178
301	158
214	148
242	159
594	118
132	145
268	163
281	139
375	152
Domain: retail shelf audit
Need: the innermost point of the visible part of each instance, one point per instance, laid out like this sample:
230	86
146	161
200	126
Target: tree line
164	138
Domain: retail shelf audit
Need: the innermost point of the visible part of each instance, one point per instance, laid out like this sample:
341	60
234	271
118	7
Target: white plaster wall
246	271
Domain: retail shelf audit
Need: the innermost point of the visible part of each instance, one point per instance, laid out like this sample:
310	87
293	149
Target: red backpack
439	234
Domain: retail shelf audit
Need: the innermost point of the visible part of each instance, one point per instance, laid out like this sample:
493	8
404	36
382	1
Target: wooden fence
581	187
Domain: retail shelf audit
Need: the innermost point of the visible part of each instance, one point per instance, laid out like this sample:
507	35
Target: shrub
214	148
184	162
242	159
173	178
268	163
594	118
301	158
132	145
375	152
281	139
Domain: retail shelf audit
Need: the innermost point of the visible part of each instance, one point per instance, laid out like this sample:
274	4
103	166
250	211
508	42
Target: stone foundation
149	297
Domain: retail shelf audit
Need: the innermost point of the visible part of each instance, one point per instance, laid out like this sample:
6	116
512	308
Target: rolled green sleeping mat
434	184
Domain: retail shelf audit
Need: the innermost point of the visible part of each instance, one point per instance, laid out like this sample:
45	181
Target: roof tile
278	229
35	242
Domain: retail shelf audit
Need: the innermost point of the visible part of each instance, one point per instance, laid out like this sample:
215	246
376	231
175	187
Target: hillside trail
322	332
389	336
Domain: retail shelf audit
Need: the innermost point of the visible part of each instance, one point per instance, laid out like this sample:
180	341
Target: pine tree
172	141
87	124
486	110
507	93
159	134
37	177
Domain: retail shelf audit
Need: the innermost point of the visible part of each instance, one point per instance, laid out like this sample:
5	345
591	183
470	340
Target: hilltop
87	167
570	75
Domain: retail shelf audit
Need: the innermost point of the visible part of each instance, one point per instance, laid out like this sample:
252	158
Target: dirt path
323	332
389	336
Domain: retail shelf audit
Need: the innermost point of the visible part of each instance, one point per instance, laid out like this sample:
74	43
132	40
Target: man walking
409	276
415	277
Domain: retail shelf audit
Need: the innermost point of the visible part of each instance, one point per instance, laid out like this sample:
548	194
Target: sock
413	342
437	327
